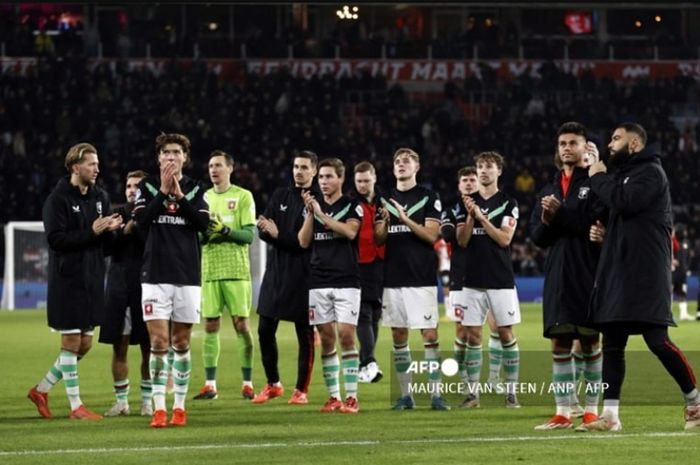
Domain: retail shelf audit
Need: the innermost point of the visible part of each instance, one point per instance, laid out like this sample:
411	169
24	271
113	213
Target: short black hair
466	171
636	129
335	163
221	153
573	127
309	155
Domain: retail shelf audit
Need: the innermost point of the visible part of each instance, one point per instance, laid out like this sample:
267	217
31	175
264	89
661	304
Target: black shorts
680	285
116	306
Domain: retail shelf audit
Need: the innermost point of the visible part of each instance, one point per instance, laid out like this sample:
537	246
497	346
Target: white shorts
170	301
328	305
453	308
502	302
410	307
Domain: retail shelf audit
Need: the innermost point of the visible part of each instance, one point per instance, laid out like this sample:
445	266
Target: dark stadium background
352	80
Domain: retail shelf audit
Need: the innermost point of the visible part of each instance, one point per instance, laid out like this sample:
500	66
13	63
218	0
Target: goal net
27	257
26	260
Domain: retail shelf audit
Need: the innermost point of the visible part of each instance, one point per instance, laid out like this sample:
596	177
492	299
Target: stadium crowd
263	122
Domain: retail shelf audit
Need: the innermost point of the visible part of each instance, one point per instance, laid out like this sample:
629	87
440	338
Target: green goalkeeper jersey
228	259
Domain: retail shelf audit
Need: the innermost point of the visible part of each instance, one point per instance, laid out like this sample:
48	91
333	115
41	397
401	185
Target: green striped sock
511	362
432	354
495	357
159	368
402	362
245	352
563	381
121	391
460	349
171	359
331	372
182	368
146	391
51	377
473	362
351	363
593	374
579	363
69	369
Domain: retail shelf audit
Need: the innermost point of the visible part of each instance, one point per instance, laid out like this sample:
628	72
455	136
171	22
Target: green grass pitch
231	430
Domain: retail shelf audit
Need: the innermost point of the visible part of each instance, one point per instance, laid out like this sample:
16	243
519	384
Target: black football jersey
487	264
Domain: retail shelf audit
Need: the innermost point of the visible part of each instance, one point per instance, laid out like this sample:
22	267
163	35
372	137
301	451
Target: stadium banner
448	70
393	70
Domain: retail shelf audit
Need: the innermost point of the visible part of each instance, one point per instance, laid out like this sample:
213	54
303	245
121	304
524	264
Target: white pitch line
267	445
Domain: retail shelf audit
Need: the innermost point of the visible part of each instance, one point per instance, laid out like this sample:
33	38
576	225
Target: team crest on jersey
98	207
583	192
438	205
232	204
516	213
359	211
172	207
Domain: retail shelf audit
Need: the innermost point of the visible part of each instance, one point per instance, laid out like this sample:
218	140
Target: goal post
27	257
26	260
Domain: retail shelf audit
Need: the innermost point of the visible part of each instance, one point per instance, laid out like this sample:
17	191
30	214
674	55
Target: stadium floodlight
346	13
26	265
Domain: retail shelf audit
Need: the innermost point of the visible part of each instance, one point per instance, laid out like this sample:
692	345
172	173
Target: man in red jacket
371	274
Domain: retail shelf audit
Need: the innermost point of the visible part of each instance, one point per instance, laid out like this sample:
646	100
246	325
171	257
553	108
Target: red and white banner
447	70
396	70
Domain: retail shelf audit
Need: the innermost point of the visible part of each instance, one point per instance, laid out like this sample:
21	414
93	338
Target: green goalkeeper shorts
234	295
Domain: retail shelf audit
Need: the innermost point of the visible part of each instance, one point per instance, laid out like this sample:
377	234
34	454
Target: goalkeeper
226	282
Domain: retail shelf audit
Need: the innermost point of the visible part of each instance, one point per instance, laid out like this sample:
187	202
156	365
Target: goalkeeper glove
217	226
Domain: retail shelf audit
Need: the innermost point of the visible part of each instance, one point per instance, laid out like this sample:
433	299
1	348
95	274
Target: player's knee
327	344
506	334
429	335
590	345
212	325
461	332
241	325
473	335
658	344
181	347
84	348
347	340
159	343
613	351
